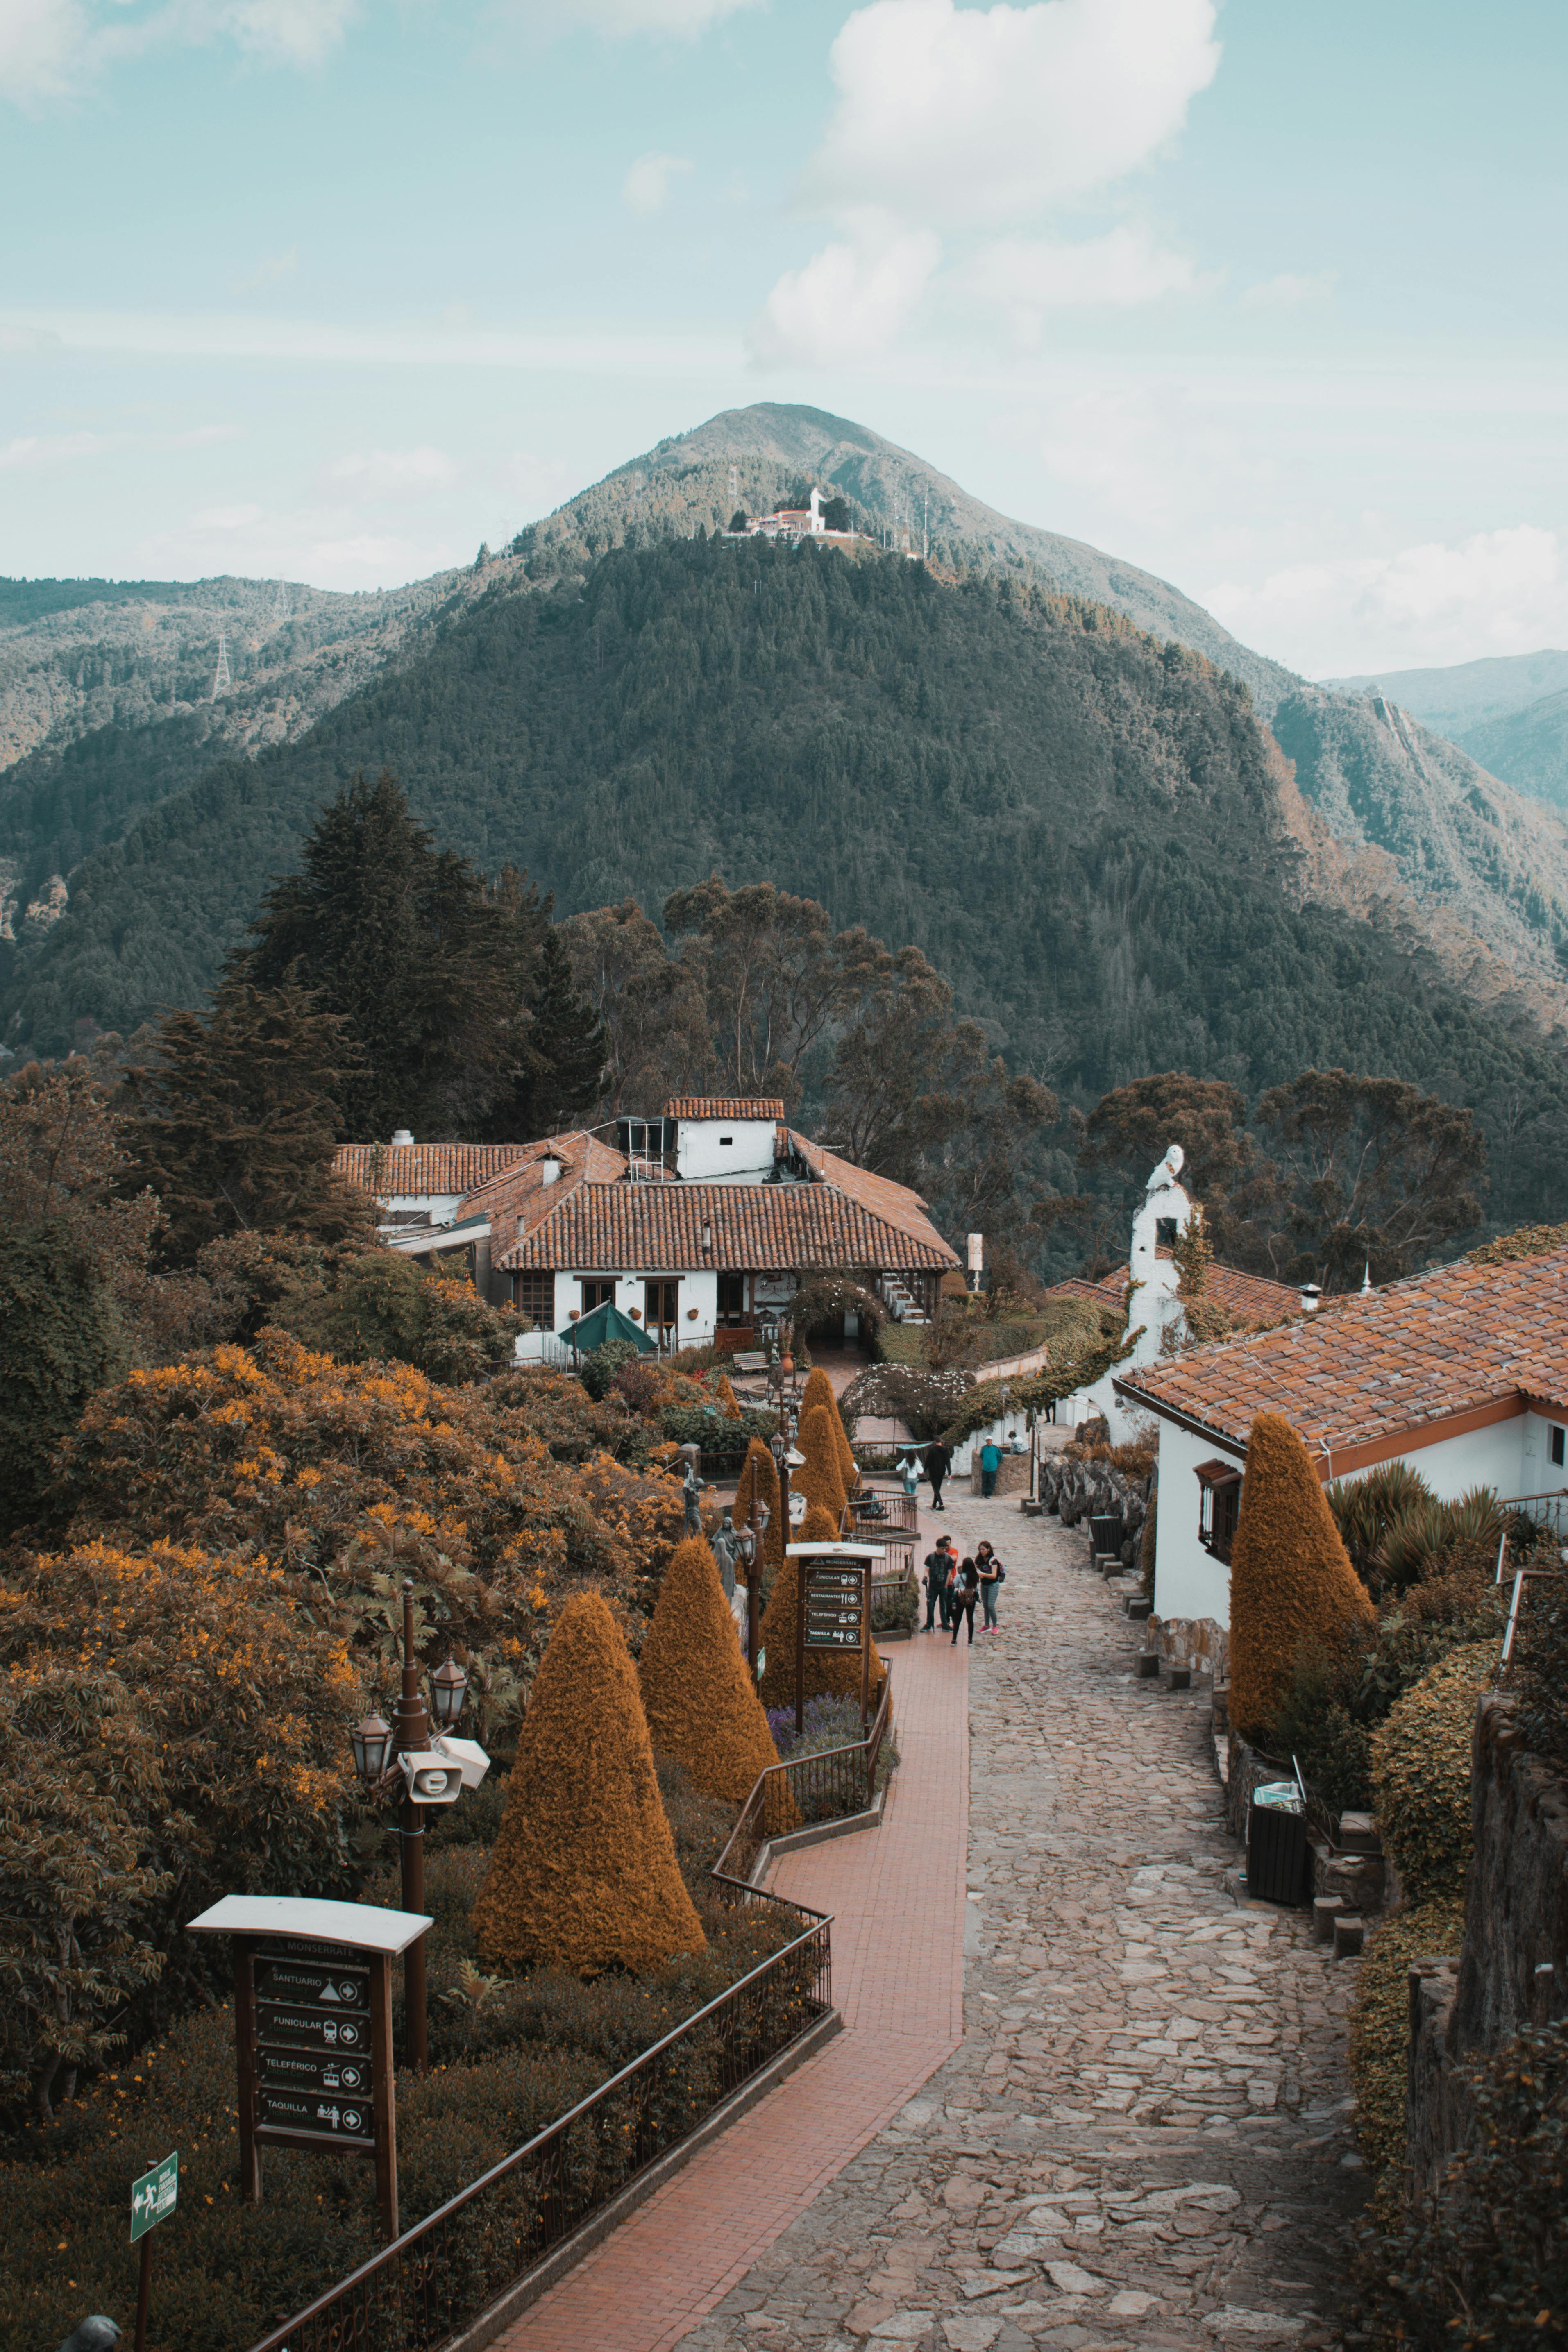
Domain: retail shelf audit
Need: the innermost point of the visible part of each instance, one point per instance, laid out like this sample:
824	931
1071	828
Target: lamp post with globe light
432	1771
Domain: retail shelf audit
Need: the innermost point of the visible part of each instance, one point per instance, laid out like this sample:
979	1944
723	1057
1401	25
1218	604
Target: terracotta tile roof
519	1196
897	1202
757	1228
1247	1298
1442	1343
388	1171
725	1107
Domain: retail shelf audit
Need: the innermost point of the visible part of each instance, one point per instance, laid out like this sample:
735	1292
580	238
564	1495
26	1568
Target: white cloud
32	451
1025	277
367	474
947	114
269	271
1499	592
951	119
541	483
52	49
645	188
850	300
1287	292
684	18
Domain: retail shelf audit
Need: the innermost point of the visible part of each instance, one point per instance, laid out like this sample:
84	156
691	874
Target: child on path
962	1586
990	1570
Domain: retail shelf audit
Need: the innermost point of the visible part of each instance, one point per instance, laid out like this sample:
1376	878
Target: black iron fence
804	1791
436	2278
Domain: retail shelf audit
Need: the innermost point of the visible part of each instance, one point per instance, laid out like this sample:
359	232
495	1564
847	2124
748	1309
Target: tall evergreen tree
405	944
234	1121
567	1050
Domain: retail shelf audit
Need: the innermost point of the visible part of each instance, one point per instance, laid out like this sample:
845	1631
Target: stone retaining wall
1513	1970
1079	1490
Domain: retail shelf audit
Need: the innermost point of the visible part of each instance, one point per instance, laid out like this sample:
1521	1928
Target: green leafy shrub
710	1427
1421	1773
898	1610
1380	2035
599	1368
1483	2262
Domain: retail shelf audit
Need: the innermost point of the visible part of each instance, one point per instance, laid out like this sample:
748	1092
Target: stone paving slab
1143	2140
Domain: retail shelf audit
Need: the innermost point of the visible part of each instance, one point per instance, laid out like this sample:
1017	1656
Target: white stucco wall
703	1157
439	1207
1188	1580
699	1289
1512	1456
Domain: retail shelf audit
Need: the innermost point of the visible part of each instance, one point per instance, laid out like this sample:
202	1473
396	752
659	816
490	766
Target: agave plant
1366	1509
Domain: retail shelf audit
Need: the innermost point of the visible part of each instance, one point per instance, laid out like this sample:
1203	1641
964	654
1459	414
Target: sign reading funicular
313	2029
836	1581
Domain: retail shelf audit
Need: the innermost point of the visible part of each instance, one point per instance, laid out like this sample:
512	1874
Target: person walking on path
939	1462
961	1589
939	1567
910	1469
990	1463
991	1573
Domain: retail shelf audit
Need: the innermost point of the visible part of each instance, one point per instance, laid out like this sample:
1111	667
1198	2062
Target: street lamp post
432	1772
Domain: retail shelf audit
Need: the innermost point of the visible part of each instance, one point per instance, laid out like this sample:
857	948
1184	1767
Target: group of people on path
953	1586
936	1461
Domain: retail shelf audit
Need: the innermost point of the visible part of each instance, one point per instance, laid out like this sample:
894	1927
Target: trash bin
1105	1531
1279	1867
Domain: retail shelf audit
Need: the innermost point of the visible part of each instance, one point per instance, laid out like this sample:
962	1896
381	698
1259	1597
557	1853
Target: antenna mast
222	682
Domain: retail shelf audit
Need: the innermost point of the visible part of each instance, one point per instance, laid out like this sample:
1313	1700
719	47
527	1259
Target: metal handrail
801	1790
431	2282
407	2295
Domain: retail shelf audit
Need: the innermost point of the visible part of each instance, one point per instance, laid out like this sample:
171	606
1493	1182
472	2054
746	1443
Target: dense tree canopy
1077	825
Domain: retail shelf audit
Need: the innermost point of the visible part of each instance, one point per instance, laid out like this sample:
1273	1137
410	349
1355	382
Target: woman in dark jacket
962	1587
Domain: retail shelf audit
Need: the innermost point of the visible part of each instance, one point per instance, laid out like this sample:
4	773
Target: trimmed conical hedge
759	1477
821	1481
818	1391
728	1401
1291	1582
698	1694
583	1875
830	1673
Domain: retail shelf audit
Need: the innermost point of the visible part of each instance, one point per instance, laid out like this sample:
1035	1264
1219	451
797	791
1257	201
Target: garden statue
693	1494
726	1550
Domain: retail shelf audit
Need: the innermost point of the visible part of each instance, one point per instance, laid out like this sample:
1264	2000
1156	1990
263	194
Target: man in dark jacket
938	1568
939	1462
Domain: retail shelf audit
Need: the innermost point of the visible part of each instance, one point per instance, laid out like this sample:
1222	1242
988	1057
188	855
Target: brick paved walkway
898	1900
1142	2140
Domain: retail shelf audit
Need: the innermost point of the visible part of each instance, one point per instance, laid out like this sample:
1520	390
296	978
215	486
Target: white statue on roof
1153	1309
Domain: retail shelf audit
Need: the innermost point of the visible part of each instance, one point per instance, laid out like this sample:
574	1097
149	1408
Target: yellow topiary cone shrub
818	1391
820	1482
697	1690
729	1404
1290	1578
829	1673
583	1875
758	1478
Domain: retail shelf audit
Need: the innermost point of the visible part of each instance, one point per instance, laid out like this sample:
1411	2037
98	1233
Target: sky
1267	300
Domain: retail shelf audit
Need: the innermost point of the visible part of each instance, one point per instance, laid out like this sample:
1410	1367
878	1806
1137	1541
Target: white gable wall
714	1150
1513	1456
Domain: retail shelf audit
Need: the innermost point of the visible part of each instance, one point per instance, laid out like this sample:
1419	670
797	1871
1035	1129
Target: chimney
402	1140
1310	1294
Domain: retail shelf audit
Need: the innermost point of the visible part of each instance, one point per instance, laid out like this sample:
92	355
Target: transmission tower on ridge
734	488
222	682
281	603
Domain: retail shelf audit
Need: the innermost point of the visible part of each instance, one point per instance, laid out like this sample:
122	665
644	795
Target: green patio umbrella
606	1322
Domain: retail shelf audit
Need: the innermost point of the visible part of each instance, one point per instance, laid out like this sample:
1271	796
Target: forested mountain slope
106	708
1081	827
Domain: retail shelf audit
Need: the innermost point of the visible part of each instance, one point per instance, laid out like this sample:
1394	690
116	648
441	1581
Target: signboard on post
313	2029
154	2196
835	1609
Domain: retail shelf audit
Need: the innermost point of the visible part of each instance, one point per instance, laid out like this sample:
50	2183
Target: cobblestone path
1142	2139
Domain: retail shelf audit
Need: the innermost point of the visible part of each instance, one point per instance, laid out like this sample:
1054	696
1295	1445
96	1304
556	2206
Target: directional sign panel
154	2196
835	1601
334	2115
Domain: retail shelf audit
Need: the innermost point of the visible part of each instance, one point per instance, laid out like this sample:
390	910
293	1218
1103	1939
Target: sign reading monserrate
154	2196
313	2029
